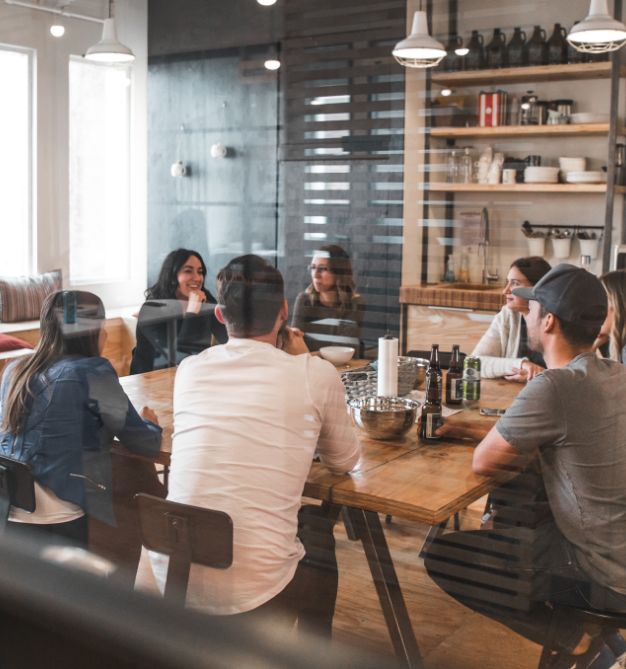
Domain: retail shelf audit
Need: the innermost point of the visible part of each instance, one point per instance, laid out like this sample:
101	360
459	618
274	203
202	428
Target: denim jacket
77	407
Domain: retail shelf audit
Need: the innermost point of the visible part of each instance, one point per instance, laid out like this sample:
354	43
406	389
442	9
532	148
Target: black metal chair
608	621
189	535
17	488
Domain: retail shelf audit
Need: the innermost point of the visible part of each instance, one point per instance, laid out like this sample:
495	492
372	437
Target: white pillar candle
387	366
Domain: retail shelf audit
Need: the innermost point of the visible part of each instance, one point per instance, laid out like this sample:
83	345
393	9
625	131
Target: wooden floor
450	636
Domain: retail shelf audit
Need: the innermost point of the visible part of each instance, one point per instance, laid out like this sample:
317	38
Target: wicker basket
364	383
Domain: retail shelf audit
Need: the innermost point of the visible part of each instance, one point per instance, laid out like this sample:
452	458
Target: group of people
249	415
329	311
251	412
504	349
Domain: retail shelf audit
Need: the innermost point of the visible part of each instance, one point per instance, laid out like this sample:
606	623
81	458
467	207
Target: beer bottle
431	411
436	367
454	391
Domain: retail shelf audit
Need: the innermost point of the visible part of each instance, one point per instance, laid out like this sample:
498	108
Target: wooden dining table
427	483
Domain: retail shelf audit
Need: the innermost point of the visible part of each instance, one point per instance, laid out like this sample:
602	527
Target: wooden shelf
511	75
577	129
520	188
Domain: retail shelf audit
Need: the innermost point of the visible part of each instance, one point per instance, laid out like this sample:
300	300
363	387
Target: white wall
29	28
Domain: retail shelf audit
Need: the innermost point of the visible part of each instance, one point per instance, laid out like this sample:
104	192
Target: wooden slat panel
384	20
302	91
385	67
373	34
297	107
311	10
298	59
354	64
364	124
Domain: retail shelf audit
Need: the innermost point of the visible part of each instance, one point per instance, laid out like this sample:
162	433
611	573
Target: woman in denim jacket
60	409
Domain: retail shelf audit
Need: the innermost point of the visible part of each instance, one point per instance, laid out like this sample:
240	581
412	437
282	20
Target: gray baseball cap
571	293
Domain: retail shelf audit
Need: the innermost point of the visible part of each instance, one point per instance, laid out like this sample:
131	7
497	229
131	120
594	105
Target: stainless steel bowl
384	417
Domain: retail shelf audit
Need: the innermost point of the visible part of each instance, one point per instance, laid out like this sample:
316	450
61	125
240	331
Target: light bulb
266	3
57	30
446	92
461	51
271	64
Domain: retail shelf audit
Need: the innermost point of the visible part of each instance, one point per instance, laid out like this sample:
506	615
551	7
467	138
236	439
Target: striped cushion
21	297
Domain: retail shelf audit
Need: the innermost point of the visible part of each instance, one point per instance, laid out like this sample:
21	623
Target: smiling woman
503	350
177	319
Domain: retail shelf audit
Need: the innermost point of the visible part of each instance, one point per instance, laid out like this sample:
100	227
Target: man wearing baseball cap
572	420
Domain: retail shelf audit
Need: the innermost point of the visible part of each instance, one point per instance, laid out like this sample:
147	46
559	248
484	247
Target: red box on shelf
492	109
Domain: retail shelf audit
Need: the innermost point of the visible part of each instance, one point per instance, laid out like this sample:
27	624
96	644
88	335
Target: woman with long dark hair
503	350
177	319
60	409
329	311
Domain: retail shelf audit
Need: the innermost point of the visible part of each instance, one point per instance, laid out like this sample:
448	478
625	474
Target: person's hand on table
291	340
148	414
194	303
527	371
457	427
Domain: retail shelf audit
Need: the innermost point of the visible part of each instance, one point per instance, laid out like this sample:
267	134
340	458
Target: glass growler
515	51
557	46
536	48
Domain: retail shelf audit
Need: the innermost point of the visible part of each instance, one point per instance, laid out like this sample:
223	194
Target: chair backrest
189	535
17	487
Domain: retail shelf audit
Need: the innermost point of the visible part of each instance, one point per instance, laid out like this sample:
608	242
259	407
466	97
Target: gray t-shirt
575	418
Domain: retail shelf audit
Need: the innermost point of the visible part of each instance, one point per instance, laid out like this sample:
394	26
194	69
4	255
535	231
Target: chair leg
545	660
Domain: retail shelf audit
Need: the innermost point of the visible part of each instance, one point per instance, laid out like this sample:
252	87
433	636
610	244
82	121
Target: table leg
369	531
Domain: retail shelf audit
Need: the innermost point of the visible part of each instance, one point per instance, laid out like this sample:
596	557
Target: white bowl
573	164
338	355
541	175
588	117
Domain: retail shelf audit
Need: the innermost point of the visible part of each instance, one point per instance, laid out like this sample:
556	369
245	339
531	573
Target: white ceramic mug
509	176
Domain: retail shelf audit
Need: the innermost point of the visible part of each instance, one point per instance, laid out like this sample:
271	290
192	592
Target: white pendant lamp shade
599	32
419	49
109	49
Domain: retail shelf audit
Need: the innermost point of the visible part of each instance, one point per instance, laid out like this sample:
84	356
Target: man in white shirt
249	416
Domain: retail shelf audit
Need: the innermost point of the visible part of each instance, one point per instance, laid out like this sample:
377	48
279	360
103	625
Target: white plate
531	180
570	179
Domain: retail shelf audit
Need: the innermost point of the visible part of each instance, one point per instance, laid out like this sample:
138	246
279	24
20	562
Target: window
16	250
99	211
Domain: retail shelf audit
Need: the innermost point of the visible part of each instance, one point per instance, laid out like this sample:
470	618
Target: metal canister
471	382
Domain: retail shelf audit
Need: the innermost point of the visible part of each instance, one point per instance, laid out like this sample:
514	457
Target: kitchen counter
463	296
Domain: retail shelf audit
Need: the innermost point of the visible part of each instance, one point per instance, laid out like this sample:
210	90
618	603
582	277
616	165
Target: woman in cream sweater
503	350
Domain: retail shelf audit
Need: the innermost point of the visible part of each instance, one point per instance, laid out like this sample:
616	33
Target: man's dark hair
250	293
576	334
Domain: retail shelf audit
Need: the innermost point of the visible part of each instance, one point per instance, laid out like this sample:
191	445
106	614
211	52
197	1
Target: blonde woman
329	311
614	327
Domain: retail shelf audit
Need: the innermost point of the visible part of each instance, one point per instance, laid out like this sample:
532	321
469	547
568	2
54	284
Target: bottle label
455	389
433	422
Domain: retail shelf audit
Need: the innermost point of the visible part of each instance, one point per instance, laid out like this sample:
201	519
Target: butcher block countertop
464	296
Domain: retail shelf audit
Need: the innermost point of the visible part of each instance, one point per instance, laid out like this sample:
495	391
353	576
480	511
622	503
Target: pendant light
419	49
109	49
599	32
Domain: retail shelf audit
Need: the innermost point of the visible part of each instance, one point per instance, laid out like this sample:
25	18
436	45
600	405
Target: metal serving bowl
422	368
384	417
